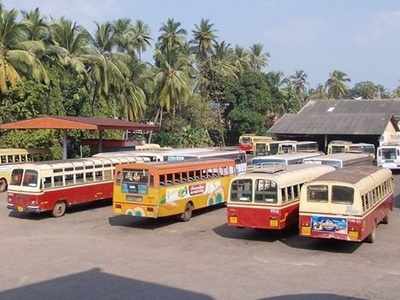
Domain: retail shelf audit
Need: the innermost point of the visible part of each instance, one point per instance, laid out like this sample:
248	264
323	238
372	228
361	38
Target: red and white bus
55	185
347	204
268	197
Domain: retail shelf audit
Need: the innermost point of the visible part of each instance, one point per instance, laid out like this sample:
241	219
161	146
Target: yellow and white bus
295	146
347	204
346	146
171	188
248	142
10	157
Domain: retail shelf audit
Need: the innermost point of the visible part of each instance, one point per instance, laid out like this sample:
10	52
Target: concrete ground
91	254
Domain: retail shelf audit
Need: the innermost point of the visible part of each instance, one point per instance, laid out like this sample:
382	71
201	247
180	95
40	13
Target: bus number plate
20	209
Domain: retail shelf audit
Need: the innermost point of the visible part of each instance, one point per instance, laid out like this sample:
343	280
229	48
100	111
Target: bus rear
389	157
246	143
25	190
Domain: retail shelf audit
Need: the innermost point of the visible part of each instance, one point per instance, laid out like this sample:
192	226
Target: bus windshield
135	181
388	153
338	149
266	191
317	193
245	140
242	190
16	176
287	148
29	178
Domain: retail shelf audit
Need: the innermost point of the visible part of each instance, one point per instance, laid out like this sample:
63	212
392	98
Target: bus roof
5	151
343	156
288	174
352	175
288	156
178	164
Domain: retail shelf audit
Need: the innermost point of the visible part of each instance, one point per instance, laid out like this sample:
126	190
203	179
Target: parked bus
268	198
389	156
10	157
283	159
55	185
248	142
347	204
295	146
341	160
346	146
188	153
267	147
171	188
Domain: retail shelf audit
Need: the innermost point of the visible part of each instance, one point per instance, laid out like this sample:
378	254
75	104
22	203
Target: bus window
284	195
69	179
290	193
296	191
388	153
317	193
89	176
58	181
98	175
47	182
107	174
29	157
273	148
135	181
3	159
169	179
184	177
16	177
342	194
23	158
10	158
177	178
16	158
191	175
266	191
162	179
79	178
242	190
30	178
337	149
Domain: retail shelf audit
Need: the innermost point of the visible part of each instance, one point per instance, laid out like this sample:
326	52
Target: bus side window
69	179
296	192
16	158
184	176
177	178
79	178
162	179
363	201
284	195
3	159
23	158
89	176
47	182
29	157
197	174
169	179
191	176
58	181
107	174
290	193
99	175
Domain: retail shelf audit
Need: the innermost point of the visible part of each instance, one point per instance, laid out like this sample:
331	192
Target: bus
268	198
347	204
55	185
10	157
283	159
295	146
346	146
247	142
267	147
341	160
163	189
188	153
388	156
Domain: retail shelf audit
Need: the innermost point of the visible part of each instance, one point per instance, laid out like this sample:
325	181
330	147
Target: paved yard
91	254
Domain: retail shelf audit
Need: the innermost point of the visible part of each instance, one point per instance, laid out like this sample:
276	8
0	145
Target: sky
359	37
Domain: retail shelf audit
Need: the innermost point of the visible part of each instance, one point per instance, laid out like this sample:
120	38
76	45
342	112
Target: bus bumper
148	211
26	209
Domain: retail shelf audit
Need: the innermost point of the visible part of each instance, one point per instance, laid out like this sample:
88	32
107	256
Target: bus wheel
372	237
187	214
3	185
59	209
385	220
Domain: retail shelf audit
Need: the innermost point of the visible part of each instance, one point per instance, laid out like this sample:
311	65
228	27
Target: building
370	121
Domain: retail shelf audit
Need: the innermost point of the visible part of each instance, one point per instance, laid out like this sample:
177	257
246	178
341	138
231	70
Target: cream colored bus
8	158
347	204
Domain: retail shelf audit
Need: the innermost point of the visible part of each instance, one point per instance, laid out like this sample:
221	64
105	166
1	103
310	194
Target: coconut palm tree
298	81
36	25
141	37
242	58
17	57
319	92
204	36
172	36
172	82
121	28
258	59
336	84
69	42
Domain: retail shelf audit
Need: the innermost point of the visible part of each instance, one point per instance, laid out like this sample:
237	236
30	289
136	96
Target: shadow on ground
95	284
70	210
151	224
289	237
312	297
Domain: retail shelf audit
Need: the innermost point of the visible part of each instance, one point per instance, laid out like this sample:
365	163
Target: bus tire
372	237
385	220
187	214
59	209
3	185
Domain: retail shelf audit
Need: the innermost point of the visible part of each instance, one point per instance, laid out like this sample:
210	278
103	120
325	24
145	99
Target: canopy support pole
100	141
65	142
325	142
